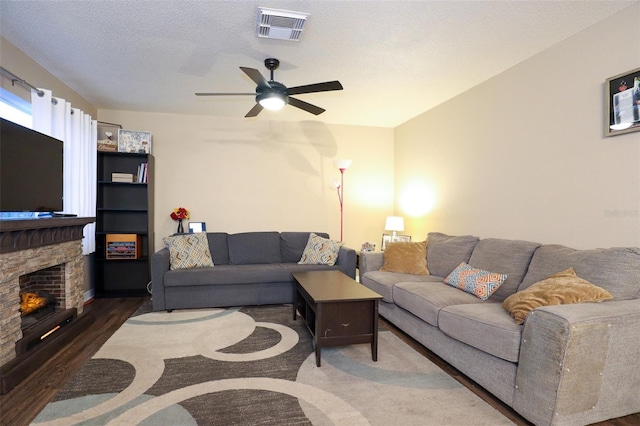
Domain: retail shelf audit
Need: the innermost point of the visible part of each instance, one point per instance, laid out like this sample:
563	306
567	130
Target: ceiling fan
274	95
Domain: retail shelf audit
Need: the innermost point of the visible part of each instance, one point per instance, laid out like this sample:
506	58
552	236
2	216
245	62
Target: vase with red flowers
180	214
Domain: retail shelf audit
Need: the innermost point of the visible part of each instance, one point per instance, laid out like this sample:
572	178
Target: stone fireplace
39	254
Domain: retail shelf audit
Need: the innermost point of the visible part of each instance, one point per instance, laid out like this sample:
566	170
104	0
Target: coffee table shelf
336	309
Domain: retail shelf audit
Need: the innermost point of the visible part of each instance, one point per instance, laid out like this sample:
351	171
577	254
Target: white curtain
55	117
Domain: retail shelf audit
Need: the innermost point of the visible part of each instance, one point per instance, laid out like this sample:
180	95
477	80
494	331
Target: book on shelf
122	177
142	173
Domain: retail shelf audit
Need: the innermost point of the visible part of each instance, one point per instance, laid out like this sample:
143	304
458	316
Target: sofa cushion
478	282
188	251
382	282
510	257
238	274
426	299
249	248
320	251
617	269
219	247
445	252
562	288
292	244
485	326
406	258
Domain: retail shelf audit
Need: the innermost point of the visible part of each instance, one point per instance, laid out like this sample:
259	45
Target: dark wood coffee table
337	310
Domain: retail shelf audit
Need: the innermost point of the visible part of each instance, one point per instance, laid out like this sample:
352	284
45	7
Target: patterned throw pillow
478	282
564	287
320	251
189	251
406	258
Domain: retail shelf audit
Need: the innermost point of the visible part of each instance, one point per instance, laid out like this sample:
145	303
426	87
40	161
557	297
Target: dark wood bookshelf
123	208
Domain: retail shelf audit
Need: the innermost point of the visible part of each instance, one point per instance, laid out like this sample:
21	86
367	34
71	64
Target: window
14	108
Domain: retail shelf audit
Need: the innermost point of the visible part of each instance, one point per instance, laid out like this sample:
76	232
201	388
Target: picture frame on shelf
368	247
108	137
622	103
134	142
388	238
195	227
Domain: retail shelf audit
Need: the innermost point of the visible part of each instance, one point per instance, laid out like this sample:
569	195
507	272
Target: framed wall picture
133	141
197	227
404	238
623	103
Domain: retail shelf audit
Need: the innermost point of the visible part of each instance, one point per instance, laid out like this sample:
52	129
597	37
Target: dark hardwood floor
22	404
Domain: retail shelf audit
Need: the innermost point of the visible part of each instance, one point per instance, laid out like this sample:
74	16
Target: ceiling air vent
280	24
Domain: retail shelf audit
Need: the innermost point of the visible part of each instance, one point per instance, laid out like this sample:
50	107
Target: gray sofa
251	268
566	365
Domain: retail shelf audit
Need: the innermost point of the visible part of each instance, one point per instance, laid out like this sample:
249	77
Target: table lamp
394	223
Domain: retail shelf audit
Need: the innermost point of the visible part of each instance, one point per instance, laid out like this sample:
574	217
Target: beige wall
15	61
523	155
254	175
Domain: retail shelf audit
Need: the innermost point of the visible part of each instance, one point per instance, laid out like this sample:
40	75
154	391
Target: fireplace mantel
16	235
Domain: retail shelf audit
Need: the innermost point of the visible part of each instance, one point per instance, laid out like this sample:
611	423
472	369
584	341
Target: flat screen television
31	165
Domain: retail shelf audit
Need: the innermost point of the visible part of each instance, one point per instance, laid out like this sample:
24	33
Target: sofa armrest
160	263
370	261
347	261
579	363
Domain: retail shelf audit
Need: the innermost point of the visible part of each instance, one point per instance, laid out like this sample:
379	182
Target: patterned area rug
255	366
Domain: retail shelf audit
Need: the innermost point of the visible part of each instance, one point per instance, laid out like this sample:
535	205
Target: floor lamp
342	165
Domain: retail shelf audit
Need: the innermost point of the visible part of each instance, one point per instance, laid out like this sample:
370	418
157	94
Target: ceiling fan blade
305	106
318	87
254	111
255	75
223	94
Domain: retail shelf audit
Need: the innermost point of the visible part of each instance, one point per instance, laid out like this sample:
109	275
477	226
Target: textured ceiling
395	59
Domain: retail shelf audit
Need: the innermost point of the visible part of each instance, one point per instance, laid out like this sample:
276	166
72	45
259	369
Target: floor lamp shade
342	164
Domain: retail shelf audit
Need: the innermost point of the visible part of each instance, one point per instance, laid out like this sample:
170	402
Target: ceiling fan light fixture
273	95
273	101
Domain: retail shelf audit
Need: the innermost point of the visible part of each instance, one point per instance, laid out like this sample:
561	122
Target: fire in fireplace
34	306
40	292
40	319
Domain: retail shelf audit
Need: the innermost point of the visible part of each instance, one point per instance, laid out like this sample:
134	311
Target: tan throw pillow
406	258
189	251
562	288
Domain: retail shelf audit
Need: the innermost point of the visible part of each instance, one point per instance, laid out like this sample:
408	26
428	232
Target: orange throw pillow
562	288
